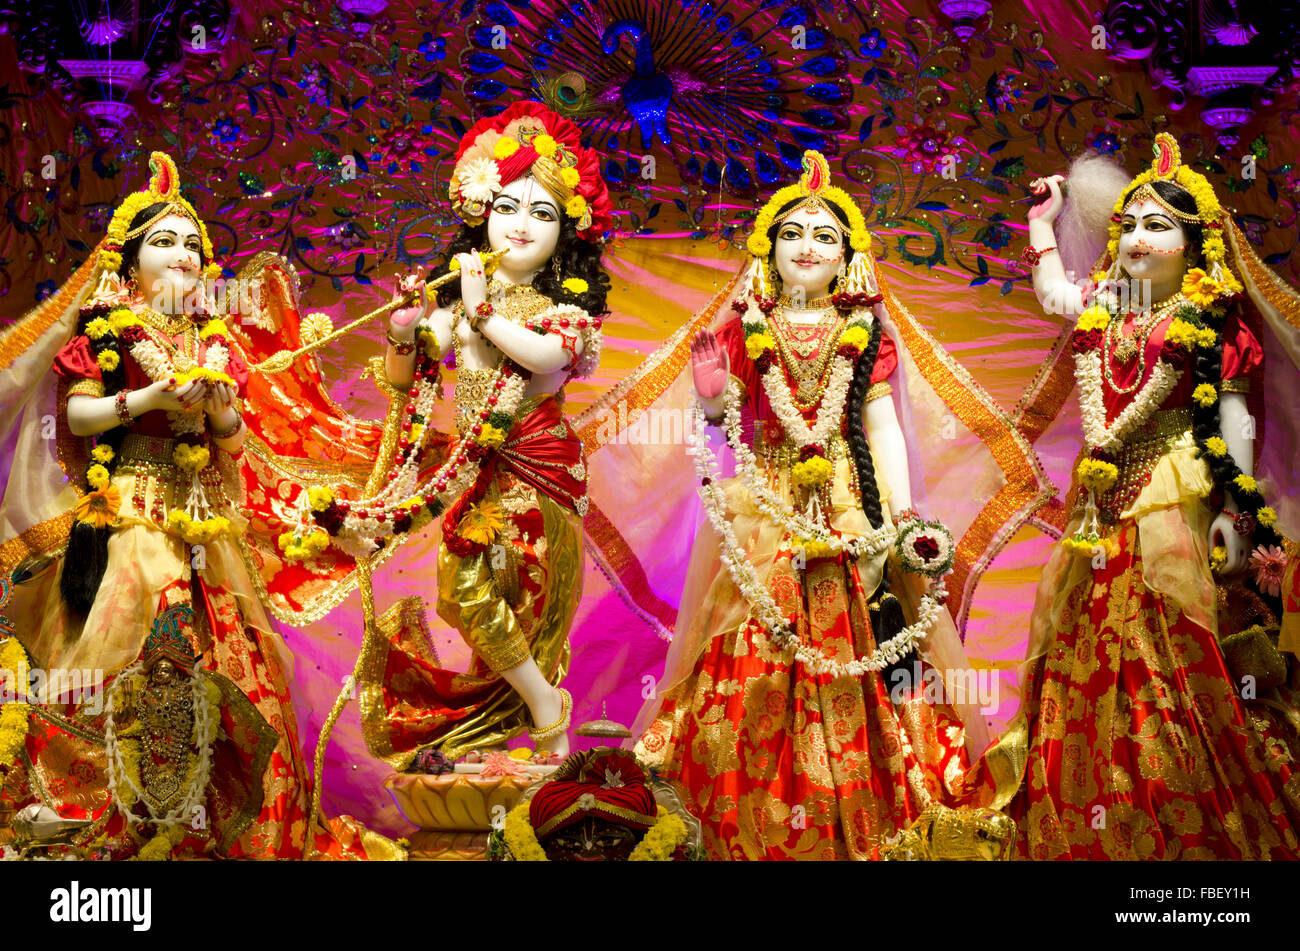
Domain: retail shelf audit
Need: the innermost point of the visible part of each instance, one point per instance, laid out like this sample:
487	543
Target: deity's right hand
473	281
709	365
1051	198
403	321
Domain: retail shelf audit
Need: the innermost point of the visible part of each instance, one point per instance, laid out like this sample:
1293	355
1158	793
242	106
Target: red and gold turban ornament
812	192
605	783
529	139
164	186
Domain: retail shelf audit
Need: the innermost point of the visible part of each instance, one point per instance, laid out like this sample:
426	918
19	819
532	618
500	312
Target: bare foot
547	711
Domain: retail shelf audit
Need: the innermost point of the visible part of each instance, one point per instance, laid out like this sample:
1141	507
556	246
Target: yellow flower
102	453
856	336
571	177
813	548
191	459
212	328
1216	447
758	244
755	344
812	471
417	430
482	523
108	360
520	837
1246	483
97	476
1097	475
545	145
97	328
491	436
320	497
99	508
1094	318
1205	394
1206	337
661	841
1218	558
575	207
575	285
505	148
121	318
1199	288
1183	334
1267	516
179	518
206	374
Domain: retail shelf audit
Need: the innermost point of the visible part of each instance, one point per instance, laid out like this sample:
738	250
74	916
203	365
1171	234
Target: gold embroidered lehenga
1138	737
794	746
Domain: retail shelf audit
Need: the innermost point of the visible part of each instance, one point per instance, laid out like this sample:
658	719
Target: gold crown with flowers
1167	166
812	192
165	187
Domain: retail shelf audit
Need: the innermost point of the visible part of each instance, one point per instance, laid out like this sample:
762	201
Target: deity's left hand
1223	532
473	281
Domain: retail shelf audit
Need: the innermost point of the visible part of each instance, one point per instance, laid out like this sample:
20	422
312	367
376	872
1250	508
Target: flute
281	360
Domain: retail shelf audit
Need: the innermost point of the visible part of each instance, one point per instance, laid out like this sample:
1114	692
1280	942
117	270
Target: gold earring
555	268
842	274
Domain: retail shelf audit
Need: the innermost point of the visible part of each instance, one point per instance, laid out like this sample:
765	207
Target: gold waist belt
150	450
1165	431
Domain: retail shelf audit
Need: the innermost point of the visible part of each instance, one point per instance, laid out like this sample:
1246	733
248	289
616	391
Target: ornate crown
1166	166
167	639
164	186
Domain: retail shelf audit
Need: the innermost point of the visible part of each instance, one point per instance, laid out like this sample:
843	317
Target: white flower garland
765	499
830	411
205	731
762	605
359	535
153	360
1087	370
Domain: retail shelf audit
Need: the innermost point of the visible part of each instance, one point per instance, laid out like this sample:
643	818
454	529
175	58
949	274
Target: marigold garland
14	713
659	844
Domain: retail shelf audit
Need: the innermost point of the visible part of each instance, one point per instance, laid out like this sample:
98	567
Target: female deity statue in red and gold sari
793	710
1147	727
128	381
510	488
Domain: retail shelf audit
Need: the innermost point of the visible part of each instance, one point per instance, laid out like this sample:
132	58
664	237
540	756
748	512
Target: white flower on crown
480	180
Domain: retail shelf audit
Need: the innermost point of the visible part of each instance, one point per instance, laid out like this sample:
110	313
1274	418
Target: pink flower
501	764
1270	566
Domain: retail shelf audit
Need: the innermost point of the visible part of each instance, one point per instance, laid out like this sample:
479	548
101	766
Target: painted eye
791	234
825	237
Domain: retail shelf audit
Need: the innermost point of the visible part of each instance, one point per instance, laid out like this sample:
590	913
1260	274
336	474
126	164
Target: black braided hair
578	258
1207	368
86	558
886	612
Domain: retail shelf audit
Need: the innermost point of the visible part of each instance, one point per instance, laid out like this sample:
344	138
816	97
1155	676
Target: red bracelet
481	313
1032	255
123	414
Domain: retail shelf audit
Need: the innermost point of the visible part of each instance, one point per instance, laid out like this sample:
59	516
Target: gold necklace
817	303
809	373
1118	346
184	357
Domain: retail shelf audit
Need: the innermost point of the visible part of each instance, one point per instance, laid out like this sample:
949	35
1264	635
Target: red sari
1135	741
777	762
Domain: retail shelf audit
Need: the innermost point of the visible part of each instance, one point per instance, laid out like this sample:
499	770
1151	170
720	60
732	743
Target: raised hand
709	365
402	322
1052	199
